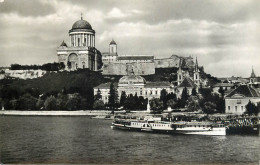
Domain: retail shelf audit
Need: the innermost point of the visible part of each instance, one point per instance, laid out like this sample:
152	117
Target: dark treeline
53	91
31	99
48	67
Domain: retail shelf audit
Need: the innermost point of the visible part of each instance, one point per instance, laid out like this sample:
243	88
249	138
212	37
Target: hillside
79	81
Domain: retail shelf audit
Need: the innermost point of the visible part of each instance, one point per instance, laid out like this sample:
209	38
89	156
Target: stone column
90	39
96	63
93	40
74	42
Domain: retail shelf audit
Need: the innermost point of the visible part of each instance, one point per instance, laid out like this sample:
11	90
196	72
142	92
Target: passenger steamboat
178	127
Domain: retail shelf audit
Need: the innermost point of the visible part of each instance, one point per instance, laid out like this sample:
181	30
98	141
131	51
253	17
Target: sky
223	34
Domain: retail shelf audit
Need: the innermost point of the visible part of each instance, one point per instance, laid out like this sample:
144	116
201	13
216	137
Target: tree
209	107
156	106
130	103
98	96
112	97
50	103
221	91
27	102
220	103
73	102
39	104
172	103
61	101
193	104
194	92
171	96
163	97
251	108
99	105
122	98
184	97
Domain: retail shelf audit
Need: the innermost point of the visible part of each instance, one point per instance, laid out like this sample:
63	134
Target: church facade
81	51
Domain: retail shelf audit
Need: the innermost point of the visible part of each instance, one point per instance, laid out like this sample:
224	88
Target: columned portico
81	52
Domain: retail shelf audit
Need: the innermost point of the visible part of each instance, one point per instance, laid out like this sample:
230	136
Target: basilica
81	51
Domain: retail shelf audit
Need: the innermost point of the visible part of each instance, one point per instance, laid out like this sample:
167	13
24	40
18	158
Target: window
238	101
242	108
78	41
236	108
229	108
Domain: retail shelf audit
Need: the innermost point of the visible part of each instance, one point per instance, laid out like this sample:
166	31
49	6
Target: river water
45	139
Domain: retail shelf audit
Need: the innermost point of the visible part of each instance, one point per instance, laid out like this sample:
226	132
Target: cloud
223	35
116	13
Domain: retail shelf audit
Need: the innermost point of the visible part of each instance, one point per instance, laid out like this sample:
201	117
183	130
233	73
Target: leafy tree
251	108
73	102
193	104
194	92
61	101
39	104
156	106
50	103
172	103
83	104
27	102
99	105
209	108
13	104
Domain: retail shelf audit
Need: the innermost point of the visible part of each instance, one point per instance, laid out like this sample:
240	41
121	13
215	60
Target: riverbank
55	113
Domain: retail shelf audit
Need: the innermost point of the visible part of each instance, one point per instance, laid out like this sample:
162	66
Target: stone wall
121	69
22	74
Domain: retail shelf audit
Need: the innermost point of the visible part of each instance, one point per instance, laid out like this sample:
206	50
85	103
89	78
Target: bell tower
196	75
113	47
179	74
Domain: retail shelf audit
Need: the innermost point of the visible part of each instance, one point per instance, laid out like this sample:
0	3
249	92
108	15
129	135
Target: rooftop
223	85
245	91
187	82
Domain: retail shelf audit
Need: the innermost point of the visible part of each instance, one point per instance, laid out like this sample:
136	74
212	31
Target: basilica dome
132	79
82	24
